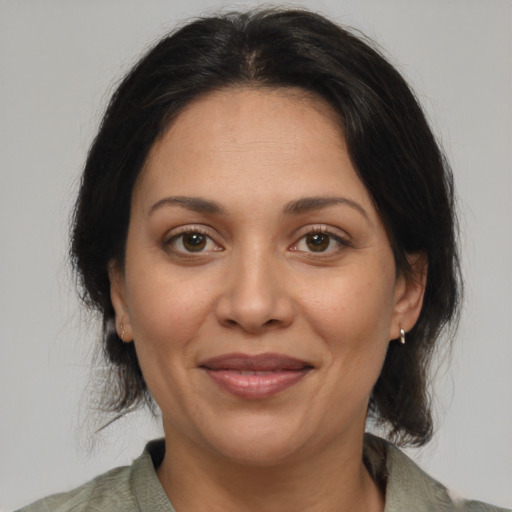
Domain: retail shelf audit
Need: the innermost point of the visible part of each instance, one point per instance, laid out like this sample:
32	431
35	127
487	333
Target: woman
266	224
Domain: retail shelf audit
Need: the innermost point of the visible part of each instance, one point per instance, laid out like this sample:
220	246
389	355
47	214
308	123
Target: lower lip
256	387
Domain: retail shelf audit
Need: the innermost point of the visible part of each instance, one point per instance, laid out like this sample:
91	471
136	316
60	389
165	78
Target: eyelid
186	228
178	231
337	234
322	228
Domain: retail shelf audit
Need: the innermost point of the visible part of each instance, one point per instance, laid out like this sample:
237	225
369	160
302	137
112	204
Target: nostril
269	323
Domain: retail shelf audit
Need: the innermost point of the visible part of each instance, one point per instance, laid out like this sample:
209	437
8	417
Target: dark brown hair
390	143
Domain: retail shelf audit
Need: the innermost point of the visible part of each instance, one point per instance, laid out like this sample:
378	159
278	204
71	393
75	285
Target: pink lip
255	377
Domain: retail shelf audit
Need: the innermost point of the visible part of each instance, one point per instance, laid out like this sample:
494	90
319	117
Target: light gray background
59	61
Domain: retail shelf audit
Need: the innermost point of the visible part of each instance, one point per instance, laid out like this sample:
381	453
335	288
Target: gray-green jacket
136	488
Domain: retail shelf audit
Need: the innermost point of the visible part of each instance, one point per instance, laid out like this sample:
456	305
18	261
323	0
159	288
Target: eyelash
189	230
341	242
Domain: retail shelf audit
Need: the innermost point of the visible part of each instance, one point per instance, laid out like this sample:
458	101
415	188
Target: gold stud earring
402	336
121	327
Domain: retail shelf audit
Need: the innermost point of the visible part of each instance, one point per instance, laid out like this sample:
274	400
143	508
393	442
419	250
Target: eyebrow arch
195	204
307	204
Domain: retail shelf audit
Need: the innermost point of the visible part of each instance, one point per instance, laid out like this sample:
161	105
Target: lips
255	377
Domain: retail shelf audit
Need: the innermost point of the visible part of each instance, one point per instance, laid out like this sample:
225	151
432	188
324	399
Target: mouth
255	377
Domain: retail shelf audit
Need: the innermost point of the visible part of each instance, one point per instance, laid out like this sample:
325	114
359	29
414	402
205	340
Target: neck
329	481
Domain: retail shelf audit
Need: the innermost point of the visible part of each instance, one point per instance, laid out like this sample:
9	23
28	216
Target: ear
409	292
118	298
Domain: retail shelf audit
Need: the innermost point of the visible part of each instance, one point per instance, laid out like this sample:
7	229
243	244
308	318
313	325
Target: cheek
352	314
349	307
165	309
167	313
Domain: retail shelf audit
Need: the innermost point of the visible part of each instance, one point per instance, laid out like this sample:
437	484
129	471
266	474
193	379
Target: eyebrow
297	207
308	204
195	204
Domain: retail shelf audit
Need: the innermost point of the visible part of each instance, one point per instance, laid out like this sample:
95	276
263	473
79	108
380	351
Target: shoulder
408	487
130	489
110	491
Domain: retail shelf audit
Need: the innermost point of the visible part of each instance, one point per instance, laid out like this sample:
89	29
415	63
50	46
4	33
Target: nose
255	296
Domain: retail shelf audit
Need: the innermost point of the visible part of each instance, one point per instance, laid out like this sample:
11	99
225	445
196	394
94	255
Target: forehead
279	138
261	106
244	115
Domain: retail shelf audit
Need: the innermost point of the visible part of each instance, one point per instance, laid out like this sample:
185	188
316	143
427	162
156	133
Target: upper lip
259	362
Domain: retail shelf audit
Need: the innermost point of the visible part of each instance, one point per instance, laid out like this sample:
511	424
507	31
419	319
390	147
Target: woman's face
259	285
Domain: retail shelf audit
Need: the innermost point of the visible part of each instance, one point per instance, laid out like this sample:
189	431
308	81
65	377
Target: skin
257	285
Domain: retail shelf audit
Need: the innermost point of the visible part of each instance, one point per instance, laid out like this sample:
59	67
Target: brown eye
189	242
318	242
194	242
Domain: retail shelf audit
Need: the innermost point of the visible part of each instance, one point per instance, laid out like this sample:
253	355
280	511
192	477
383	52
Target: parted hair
390	144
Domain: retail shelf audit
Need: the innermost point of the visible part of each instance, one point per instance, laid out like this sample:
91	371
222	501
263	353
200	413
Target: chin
261	444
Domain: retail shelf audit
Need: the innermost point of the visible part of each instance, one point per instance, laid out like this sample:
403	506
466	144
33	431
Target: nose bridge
254	297
256	281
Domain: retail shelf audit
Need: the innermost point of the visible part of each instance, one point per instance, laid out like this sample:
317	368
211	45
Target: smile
255	377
